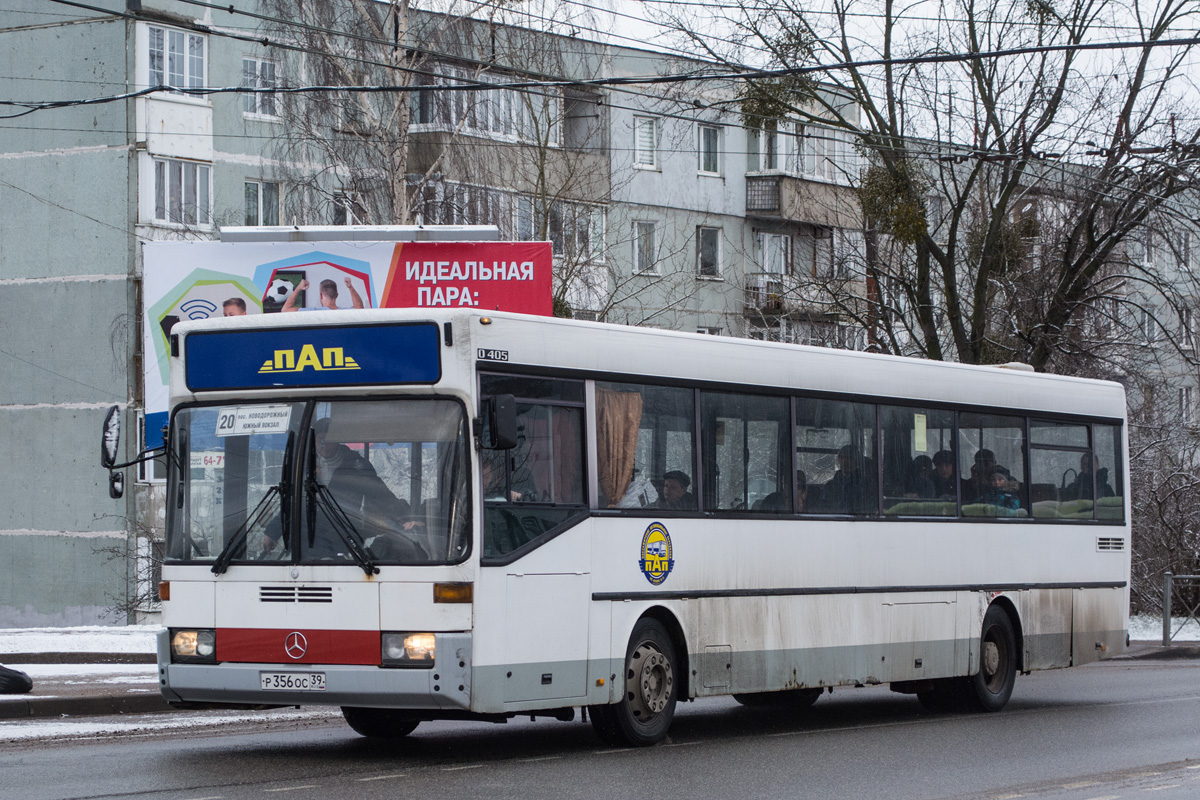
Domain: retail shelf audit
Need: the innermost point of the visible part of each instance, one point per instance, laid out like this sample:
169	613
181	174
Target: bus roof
626	352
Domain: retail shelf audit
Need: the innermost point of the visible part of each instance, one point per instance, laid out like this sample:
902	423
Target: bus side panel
756	644
1099	624
1046	628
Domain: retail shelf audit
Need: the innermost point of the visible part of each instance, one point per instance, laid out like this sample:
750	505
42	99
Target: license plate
293	681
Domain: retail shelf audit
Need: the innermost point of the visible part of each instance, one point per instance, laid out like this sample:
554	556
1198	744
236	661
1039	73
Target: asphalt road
1116	730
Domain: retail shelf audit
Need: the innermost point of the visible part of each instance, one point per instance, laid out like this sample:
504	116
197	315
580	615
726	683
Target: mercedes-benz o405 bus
421	515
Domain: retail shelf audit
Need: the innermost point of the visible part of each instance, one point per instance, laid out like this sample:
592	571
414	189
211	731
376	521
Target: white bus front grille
295	594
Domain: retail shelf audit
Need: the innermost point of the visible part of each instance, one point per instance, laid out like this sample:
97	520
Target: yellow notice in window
919	438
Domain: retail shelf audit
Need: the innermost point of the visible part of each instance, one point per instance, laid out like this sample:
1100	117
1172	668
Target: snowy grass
85	639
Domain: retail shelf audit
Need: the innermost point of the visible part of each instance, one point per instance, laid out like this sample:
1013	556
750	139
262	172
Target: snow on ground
93	728
66	674
86	639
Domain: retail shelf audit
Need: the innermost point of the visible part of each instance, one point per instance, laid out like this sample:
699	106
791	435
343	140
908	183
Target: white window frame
1187	412
701	232
706	135
261	190
177	57
645	142
645	263
259	73
773	253
176	179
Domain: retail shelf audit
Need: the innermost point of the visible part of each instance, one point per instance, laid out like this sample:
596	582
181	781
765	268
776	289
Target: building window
258	74
708	252
644	247
181	192
773	253
709	331
710	149
762	150
262	203
176	58
347	210
1185	405
645	142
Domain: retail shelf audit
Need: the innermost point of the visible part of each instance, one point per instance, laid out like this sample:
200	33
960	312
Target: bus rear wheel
643	714
991	687
788	698
379	723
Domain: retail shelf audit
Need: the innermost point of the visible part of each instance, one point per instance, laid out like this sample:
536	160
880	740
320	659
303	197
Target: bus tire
788	698
991	687
643	714
379	723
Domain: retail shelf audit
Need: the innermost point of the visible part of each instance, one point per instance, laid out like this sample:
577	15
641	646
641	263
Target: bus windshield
364	482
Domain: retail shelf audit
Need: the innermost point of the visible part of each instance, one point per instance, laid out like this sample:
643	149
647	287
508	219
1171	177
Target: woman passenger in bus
997	494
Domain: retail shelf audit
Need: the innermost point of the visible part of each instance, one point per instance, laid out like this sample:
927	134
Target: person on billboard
234	307
329	294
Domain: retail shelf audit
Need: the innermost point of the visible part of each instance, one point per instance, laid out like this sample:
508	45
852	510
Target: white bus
420	515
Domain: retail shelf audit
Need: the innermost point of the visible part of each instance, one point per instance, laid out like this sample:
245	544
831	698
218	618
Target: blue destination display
367	355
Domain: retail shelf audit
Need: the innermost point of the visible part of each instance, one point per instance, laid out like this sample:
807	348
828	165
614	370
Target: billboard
198	280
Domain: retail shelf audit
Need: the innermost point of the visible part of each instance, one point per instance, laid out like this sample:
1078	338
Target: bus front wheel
643	714
379	723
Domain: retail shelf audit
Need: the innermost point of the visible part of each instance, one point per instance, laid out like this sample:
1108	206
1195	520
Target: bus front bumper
444	687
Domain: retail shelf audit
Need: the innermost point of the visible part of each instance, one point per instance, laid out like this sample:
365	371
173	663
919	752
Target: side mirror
116	485
110	439
500	411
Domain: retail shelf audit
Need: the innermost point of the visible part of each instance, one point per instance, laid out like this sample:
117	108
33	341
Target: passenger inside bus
945	482
675	495
998	494
780	503
851	490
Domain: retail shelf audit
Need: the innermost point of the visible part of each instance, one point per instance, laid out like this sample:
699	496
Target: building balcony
786	198
765	295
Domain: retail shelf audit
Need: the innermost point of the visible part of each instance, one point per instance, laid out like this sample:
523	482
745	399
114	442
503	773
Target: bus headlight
409	649
194	646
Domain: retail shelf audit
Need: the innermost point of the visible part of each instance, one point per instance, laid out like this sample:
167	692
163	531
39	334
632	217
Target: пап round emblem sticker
656	560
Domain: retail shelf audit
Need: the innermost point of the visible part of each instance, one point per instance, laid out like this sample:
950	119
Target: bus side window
746	447
991	452
645	436
540	483
835	443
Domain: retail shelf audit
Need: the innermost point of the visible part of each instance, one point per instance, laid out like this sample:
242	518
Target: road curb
1148	651
105	705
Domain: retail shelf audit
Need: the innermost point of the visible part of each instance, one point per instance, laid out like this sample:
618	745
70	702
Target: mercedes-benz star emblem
295	645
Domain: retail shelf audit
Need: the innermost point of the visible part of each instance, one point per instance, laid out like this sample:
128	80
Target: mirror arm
142	457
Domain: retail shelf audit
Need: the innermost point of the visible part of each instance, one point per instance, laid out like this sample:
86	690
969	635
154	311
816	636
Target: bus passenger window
1107	442
992	454
919	474
645	446
835	447
746	447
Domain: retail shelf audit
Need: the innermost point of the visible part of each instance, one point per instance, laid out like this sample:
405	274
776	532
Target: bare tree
963	147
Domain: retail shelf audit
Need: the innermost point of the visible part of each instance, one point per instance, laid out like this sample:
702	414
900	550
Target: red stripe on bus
297	646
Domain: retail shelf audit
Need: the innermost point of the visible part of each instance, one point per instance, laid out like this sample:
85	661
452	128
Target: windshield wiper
253	520
319	496
282	490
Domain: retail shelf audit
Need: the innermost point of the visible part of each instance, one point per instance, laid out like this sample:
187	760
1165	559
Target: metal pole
1167	609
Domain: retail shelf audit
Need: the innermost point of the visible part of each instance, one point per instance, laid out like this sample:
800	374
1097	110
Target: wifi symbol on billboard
198	309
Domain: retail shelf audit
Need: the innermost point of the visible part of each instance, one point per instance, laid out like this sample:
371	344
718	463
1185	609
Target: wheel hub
649	682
